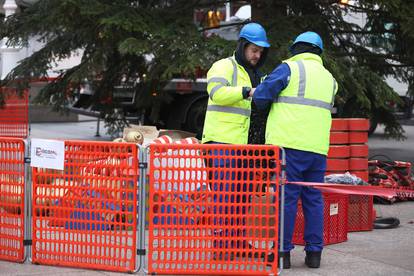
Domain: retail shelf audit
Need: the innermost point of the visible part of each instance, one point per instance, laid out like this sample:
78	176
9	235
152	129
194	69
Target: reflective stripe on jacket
300	118
228	114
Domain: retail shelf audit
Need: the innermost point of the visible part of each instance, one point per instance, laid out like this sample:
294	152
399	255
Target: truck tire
195	117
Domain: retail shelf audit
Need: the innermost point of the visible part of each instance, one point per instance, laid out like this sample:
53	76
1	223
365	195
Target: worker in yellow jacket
229	82
301	94
227	121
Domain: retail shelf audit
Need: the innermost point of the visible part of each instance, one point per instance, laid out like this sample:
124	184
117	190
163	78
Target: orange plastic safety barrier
86	215
12	199
213	209
14	115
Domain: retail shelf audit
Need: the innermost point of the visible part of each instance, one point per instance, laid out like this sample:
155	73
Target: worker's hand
252	92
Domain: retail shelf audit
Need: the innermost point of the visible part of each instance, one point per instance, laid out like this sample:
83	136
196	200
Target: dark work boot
313	259
286	259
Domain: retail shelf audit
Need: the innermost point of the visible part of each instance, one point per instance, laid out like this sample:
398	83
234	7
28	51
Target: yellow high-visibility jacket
228	114
300	118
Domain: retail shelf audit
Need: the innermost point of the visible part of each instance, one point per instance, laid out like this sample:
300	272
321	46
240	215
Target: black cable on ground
386	223
381	200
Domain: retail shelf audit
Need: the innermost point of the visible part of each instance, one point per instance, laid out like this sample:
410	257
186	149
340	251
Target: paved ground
85	129
378	252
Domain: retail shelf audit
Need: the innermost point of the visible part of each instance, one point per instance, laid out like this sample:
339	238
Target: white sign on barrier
48	154
333	209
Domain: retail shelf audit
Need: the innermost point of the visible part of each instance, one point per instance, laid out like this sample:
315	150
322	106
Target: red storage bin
335	228
358	150
334	172
358	137
360	213
358	124
361	174
337	165
358	164
339	124
341	151
339	138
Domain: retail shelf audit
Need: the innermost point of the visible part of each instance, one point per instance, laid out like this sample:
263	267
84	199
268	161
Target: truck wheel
195	117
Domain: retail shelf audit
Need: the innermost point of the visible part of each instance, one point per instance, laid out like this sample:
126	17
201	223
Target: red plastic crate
358	164
337	164
351	124
339	124
358	150
360	213
339	138
358	124
334	172
361	174
339	151
356	137
335	228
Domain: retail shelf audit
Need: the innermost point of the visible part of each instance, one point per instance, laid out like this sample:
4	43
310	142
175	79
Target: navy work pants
308	167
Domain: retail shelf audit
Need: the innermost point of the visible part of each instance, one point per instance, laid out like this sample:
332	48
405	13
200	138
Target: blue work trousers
306	167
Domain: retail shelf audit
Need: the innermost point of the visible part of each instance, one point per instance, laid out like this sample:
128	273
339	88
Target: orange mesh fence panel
213	209
360	213
335	220
12	199
85	215
14	115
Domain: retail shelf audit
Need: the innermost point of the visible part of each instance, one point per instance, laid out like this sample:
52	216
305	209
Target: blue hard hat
311	38
255	34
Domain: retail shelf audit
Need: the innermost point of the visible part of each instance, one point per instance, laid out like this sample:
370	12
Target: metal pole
97	126
141	214
282	207
144	172
227	11
28	201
